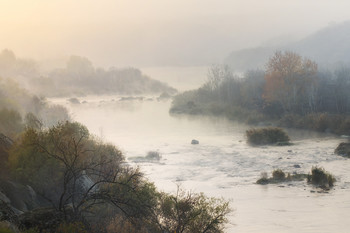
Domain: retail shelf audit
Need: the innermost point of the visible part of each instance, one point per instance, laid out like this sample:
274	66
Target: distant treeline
79	77
291	92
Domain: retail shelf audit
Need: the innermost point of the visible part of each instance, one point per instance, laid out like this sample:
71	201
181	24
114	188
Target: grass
268	135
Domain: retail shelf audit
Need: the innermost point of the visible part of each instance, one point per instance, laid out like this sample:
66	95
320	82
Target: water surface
224	165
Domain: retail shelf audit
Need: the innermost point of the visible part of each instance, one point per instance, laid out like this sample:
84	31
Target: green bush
264	136
320	177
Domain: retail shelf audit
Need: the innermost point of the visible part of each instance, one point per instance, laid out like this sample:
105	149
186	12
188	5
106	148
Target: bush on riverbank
264	136
321	122
343	149
279	176
320	177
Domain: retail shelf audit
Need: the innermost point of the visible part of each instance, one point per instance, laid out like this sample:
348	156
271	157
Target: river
224	165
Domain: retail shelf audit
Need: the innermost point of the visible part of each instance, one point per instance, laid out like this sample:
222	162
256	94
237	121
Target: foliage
121	224
65	165
87	180
291	92
80	77
188	212
343	149
279	176
291	80
263	136
320	177
5	230
10	122
74	227
322	122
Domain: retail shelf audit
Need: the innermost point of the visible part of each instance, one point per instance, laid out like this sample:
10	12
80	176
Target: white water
224	165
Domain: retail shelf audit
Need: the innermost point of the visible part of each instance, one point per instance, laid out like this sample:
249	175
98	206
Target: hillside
78	78
327	47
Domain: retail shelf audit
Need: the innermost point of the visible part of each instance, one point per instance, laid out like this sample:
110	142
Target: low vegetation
269	135
279	176
343	149
321	178
318	177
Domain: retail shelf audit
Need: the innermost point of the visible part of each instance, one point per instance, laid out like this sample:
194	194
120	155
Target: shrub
74	227
267	135
278	174
5	230
153	155
264	179
320	177
343	149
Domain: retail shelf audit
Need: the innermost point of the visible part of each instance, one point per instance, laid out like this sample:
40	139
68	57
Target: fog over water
224	165
175	42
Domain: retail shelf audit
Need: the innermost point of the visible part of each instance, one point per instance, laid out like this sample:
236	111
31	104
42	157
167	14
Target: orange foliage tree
291	81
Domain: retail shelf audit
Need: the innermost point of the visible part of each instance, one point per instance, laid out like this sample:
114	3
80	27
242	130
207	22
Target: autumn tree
291	81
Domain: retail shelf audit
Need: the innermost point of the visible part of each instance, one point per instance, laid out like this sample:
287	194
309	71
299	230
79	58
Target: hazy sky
157	32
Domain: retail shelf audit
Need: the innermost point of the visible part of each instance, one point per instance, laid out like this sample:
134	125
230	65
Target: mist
174	116
157	33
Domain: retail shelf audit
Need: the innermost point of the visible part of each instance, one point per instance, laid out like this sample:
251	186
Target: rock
194	142
20	196
296	166
290	151
8	215
131	98
343	149
4	198
73	101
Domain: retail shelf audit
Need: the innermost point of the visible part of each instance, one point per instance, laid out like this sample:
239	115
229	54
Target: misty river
224	165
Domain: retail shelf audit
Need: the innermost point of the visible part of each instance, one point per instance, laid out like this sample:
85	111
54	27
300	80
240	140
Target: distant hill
327	47
79	78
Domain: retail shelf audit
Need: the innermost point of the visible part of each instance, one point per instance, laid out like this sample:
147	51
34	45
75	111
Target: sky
145	33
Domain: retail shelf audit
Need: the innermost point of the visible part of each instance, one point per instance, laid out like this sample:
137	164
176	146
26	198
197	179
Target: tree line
291	91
